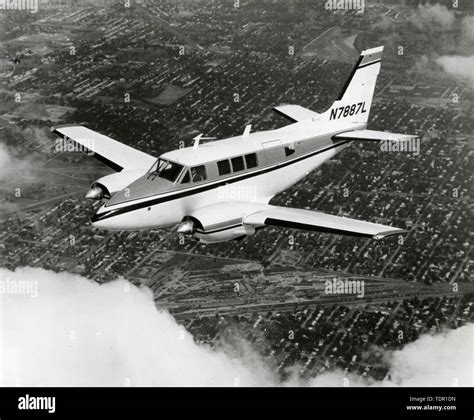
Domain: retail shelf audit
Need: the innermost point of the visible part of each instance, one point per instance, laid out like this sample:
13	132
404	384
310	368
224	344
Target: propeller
186	227
95	193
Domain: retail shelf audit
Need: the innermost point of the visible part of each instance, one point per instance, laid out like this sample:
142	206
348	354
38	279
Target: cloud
13	168
14	173
23	165
40	138
467	25
70	331
78	333
444	359
434	15
19	169
458	66
8	163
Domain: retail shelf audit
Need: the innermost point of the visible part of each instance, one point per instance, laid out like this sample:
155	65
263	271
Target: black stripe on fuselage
206	187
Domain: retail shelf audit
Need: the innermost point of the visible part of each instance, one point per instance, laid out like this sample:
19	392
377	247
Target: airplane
220	190
16	59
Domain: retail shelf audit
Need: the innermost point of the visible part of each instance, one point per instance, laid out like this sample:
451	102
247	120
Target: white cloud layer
434	15
467	25
458	66
9	165
78	333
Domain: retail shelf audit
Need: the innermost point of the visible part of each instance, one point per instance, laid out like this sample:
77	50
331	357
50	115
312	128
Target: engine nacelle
227	234
108	185
219	222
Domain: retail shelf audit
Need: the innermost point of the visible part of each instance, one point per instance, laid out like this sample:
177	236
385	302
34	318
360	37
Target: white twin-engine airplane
218	191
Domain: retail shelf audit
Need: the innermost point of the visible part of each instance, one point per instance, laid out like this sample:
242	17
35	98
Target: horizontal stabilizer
294	113
372	135
312	220
114	154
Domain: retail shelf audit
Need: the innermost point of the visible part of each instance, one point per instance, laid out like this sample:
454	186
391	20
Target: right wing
372	135
294	113
111	152
312	220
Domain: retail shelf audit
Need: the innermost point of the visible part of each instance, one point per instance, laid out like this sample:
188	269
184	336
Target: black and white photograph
255	199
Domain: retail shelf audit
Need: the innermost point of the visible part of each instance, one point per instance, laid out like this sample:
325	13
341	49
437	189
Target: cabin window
224	167
238	164
186	178
198	173
251	160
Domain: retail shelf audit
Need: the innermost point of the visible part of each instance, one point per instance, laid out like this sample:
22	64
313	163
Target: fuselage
251	168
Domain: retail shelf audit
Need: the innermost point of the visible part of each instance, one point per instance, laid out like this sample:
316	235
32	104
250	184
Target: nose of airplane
104	224
114	219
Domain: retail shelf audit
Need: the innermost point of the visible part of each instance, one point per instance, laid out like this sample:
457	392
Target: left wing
312	220
109	151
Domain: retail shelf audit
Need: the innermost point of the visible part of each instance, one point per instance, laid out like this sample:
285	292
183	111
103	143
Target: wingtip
386	234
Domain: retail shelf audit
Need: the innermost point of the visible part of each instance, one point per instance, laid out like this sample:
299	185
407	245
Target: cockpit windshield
165	169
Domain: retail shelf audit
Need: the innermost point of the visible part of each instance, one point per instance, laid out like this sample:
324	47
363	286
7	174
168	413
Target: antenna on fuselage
247	130
200	137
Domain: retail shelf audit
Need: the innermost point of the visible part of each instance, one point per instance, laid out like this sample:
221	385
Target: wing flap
111	152
373	135
294	113
312	220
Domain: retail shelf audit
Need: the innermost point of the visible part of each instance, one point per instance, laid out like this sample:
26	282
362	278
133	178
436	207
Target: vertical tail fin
354	102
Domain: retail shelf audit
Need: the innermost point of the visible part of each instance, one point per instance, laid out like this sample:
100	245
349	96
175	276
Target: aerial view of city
156	74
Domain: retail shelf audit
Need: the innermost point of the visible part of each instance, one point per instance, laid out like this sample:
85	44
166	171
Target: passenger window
251	160
238	164
224	167
186	178
198	173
